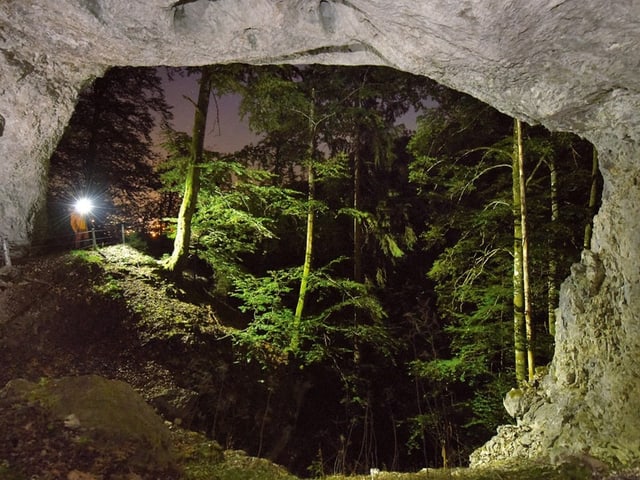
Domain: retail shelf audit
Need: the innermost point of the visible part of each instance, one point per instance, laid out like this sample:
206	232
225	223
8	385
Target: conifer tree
106	151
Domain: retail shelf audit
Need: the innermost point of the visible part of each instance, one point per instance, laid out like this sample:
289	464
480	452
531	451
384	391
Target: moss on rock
103	424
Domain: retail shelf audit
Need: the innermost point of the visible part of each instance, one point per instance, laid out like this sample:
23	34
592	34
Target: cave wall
588	403
569	64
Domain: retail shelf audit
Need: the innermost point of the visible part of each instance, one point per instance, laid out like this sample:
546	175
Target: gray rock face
568	64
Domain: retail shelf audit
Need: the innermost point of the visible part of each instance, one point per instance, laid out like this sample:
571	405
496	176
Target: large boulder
98	426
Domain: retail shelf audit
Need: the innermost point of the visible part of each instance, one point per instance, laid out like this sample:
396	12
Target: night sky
230	135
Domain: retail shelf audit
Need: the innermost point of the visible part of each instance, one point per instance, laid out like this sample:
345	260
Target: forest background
377	299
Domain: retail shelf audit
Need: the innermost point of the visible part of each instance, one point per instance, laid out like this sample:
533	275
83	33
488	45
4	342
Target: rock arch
568	64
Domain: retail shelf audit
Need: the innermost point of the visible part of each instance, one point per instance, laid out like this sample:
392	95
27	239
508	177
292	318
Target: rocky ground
104	315
92	343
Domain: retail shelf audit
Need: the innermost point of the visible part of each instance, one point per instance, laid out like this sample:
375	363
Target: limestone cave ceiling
557	62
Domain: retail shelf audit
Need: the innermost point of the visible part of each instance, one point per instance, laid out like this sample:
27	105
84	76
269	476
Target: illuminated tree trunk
192	181
357	223
358	239
308	254
552	288
519	338
526	287
593	198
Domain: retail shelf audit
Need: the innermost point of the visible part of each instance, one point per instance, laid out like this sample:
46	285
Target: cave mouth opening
75	164
459	440
530	60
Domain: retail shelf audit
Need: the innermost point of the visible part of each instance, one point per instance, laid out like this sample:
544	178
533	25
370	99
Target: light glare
83	206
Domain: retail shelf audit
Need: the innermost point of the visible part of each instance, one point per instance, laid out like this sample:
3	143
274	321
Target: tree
467	173
593	199
519	308
288	102
107	148
463	173
192	180
526	286
308	250
238	213
369	102
464	178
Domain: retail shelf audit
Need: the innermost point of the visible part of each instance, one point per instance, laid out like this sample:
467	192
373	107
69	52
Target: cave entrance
427	174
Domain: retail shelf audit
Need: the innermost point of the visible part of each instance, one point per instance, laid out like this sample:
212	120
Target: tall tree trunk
357	186
357	223
593	198
308	253
519	338
357	236
192	182
552	287
526	287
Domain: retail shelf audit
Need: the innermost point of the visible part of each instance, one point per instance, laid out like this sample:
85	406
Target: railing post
122	230
93	238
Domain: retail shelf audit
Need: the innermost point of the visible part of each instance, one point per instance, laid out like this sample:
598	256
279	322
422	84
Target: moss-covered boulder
84	423
237	465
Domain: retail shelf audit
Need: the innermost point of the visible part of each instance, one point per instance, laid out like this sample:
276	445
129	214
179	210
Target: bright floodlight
83	206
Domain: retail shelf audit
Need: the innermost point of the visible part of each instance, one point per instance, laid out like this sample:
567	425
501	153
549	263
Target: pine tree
107	151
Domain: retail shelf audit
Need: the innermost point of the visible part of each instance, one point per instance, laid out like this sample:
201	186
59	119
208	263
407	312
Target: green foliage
462	172
268	336
173	170
90	257
136	241
109	288
379	227
445	370
323	332
486	406
276	100
333	168
238	211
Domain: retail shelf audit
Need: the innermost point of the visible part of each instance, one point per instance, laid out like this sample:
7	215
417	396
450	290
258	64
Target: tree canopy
368	262
107	151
